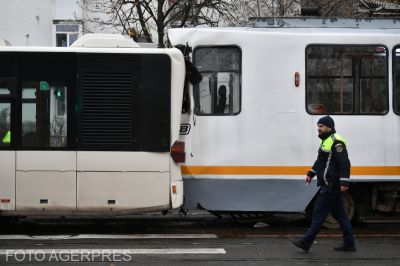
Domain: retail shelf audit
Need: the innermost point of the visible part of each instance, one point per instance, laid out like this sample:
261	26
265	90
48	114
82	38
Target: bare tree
4	120
139	18
332	8
241	10
381	8
58	132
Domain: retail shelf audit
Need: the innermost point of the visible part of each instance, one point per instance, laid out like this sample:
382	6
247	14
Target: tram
90	129
250	127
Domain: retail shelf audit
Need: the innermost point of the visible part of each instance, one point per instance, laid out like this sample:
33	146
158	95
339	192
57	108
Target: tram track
280	225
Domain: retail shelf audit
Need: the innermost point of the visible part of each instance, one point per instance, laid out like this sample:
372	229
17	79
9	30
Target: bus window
29	117
44	116
218	93
5	121
8	77
7	87
396	87
346	79
46	80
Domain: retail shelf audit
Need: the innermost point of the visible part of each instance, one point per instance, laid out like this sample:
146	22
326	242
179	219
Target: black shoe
345	248
297	243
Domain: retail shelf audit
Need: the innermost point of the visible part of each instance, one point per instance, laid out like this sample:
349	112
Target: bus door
46	158
8	83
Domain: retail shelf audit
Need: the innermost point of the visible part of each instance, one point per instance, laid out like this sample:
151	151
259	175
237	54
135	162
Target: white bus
250	130
90	129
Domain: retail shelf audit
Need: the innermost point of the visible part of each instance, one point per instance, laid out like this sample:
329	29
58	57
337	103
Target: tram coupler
183	212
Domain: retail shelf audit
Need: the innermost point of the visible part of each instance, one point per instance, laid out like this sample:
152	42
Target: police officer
332	169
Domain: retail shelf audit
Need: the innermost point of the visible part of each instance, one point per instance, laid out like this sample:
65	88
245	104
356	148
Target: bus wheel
349	207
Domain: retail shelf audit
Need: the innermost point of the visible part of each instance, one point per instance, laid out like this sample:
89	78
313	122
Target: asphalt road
198	239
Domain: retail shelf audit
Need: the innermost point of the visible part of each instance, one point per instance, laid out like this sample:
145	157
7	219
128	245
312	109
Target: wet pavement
197	239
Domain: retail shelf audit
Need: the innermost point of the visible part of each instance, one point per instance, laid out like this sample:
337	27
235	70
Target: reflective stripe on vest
326	144
7	137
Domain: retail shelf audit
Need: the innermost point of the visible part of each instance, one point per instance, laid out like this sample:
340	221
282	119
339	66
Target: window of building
396	81
66	34
346	79
61	39
219	92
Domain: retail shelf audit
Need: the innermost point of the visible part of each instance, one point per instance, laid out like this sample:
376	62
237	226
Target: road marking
109	236
11	252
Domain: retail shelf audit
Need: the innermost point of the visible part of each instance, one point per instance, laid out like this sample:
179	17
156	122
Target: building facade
41	22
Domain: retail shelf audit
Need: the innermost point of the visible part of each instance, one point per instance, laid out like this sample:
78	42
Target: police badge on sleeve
339	148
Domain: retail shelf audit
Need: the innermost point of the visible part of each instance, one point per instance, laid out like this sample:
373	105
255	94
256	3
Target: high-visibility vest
326	144
7	137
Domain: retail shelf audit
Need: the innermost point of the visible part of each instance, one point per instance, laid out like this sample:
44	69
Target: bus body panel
106	161
119	191
176	199
7	181
46	191
46	161
46	180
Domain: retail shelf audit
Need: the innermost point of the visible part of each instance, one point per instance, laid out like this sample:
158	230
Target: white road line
107	236
98	252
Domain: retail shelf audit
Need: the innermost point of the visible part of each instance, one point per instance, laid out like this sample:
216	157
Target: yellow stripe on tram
282	170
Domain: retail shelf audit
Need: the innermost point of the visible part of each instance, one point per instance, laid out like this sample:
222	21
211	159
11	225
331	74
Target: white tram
90	129
250	130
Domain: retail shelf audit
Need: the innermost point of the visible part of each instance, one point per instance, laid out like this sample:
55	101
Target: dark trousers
329	201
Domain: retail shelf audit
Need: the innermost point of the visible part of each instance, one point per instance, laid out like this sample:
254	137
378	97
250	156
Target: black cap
327	121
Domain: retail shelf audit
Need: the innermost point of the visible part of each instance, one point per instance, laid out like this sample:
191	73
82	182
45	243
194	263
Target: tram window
346	80
219	91
5	125
396	94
